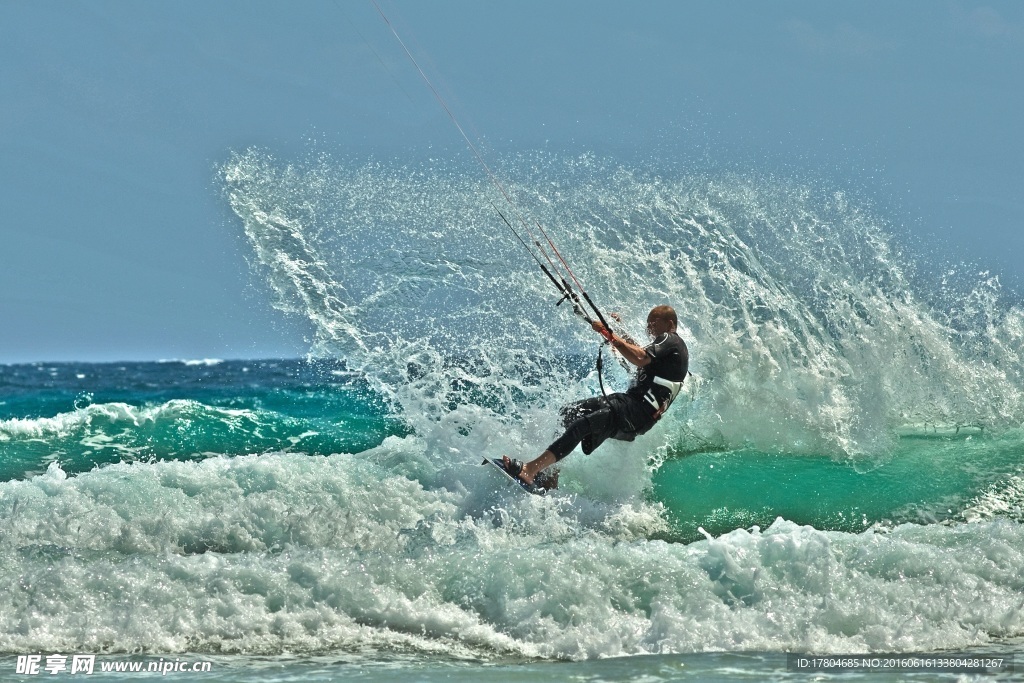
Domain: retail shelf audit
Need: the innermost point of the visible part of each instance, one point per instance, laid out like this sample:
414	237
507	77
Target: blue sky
115	241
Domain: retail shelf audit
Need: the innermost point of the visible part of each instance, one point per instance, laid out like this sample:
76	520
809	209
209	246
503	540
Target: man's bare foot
524	476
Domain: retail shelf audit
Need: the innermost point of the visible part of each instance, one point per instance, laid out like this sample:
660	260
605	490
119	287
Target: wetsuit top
659	381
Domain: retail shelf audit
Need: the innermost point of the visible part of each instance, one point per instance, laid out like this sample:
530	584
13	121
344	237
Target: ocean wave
284	552
64	424
107	433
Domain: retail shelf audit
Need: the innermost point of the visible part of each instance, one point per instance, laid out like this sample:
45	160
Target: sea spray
803	323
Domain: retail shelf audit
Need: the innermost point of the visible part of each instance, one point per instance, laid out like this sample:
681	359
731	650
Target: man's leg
593	417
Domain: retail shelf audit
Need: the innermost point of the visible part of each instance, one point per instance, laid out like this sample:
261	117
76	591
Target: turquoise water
84	415
926	479
843	474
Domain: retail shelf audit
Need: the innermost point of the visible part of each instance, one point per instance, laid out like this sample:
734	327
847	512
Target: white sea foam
1004	499
193	362
285	552
79	420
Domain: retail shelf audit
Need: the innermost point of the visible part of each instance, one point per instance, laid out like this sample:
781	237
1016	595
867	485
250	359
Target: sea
840	483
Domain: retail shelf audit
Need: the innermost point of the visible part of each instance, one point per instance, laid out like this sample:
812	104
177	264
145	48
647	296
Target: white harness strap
673	387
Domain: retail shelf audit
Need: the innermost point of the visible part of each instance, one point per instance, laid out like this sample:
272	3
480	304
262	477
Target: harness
659	408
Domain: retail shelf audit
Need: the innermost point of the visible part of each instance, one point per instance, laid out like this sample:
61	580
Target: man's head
660	320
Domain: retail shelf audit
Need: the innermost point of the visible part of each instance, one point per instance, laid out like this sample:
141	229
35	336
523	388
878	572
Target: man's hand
598	327
602	330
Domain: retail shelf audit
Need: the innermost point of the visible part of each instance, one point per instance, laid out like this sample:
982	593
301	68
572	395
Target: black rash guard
670	360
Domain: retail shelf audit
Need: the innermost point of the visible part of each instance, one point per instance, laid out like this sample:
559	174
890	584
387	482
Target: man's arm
630	350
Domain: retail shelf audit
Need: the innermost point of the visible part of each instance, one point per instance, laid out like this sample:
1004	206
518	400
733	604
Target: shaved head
666	313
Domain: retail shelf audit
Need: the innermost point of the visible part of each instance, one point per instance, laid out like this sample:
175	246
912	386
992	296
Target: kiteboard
529	488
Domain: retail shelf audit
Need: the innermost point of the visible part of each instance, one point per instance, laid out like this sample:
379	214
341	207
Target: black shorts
593	420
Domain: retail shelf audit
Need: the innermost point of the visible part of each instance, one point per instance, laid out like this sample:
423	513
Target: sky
116	242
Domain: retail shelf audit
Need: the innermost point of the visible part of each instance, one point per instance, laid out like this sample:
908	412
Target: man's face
657	326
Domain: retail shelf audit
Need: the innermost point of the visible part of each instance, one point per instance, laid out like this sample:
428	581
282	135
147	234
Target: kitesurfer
662	367
662	364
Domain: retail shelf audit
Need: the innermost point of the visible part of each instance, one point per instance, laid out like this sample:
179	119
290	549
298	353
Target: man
662	367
